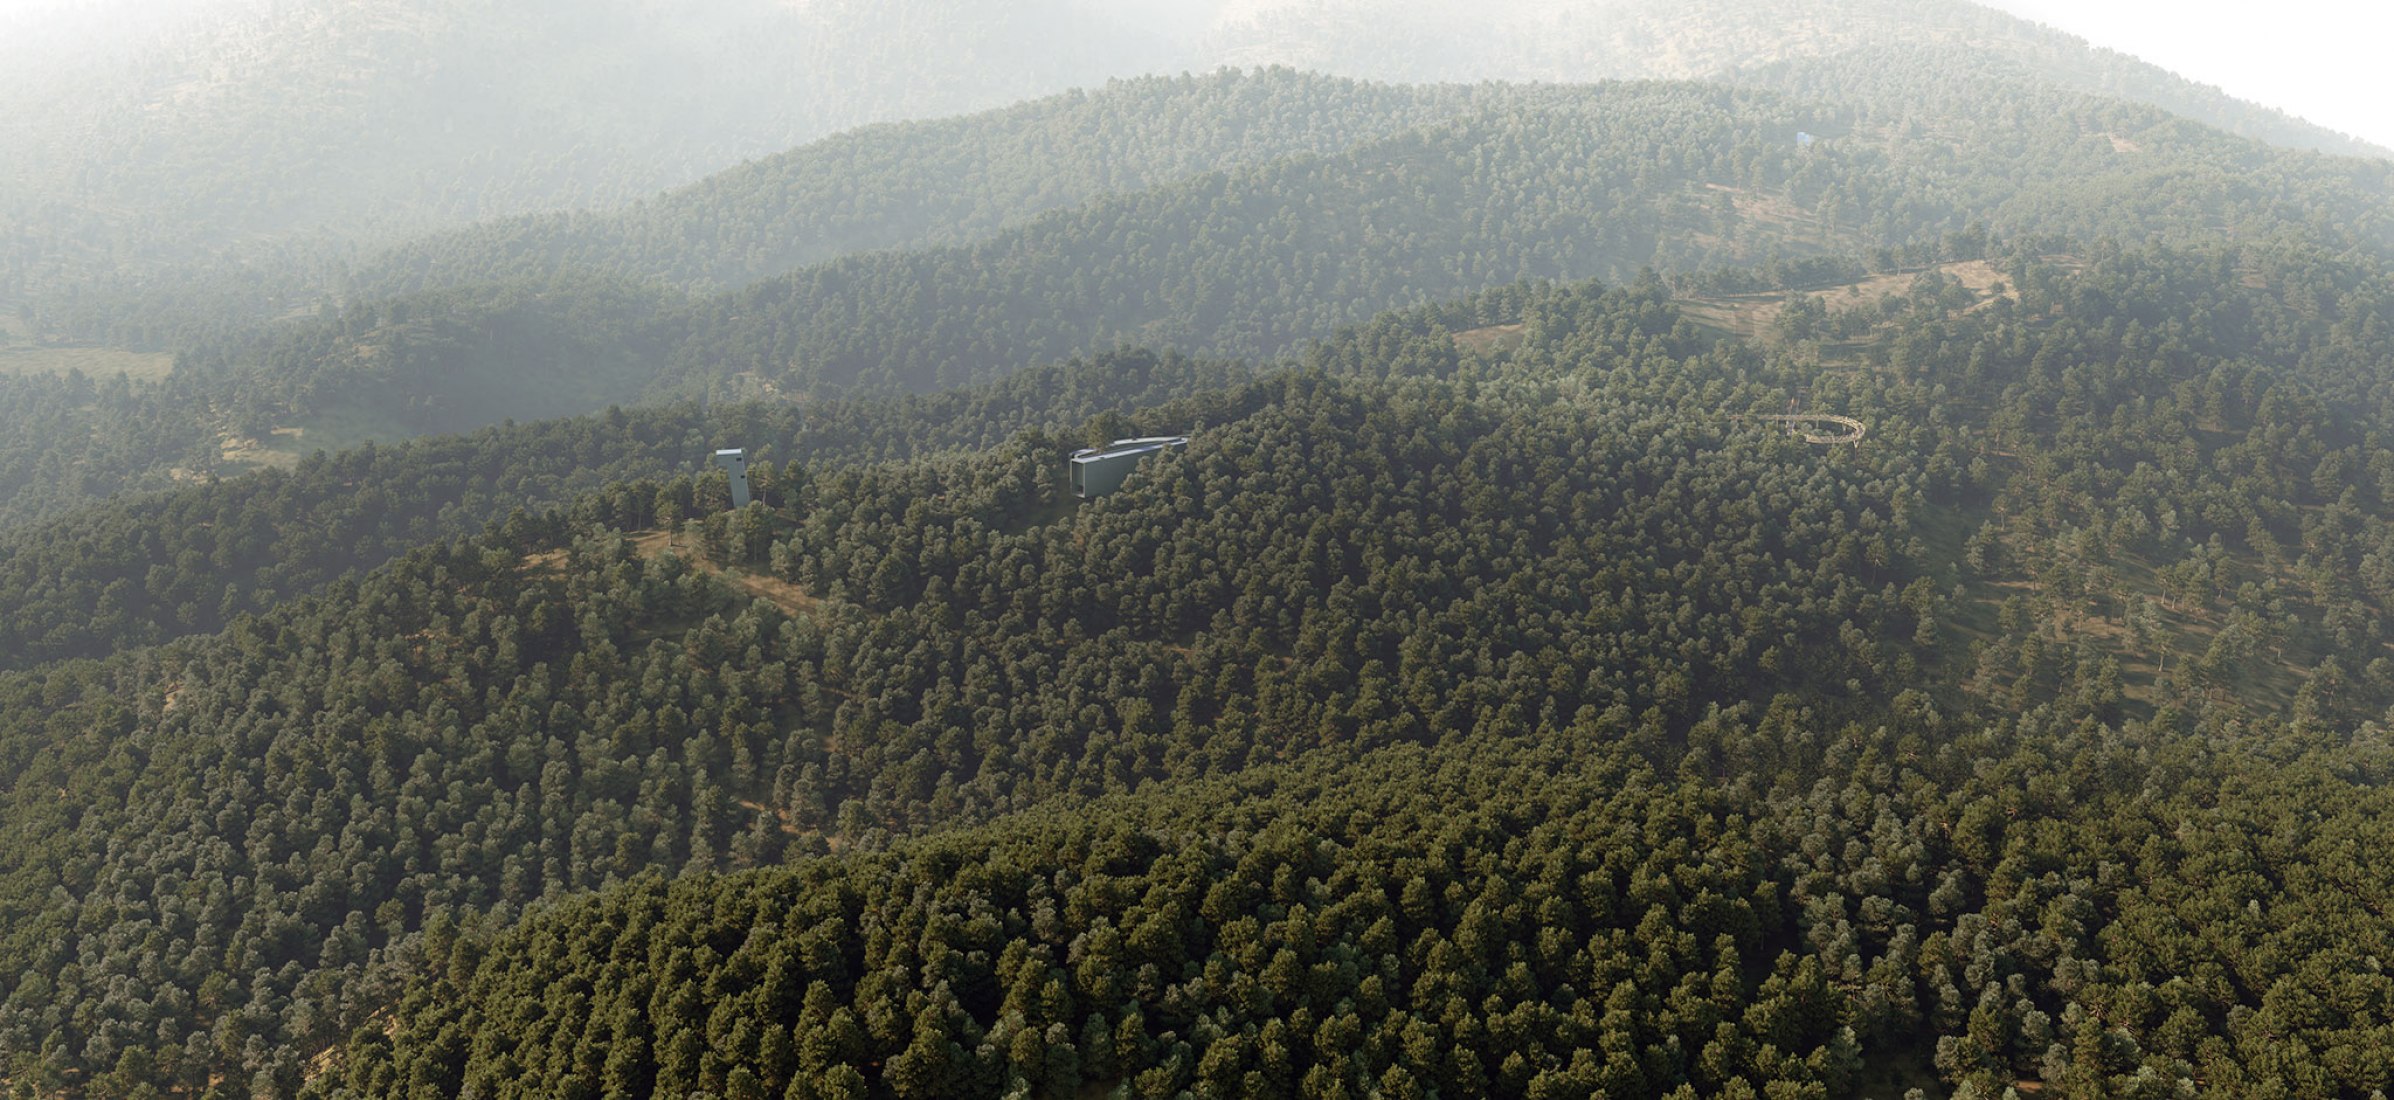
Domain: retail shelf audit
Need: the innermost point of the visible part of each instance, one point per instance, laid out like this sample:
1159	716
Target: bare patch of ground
1807	425
1490	340
1725	221
274	452
332	432
1752	316
781	820
789	597
1762	207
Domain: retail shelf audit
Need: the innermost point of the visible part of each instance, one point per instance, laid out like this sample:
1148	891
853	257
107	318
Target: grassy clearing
1753	317
341	430
96	363
789	597
333	432
1492	340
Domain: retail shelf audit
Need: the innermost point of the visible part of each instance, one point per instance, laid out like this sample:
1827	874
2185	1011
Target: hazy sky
2326	60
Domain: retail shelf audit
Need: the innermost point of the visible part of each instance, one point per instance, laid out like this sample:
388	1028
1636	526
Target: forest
1494	697
928	183
1449	718
282	140
148	569
1085	228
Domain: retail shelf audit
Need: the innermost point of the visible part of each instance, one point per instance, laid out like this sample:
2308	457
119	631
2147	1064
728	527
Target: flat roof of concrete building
1122	447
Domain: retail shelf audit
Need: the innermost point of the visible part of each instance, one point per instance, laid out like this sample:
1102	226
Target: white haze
37	34
2311	58
2325	60
2322	60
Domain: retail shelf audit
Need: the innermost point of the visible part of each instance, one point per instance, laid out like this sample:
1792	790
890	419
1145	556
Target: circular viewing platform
1808	425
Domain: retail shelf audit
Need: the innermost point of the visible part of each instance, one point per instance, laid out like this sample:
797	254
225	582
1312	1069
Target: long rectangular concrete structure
1097	471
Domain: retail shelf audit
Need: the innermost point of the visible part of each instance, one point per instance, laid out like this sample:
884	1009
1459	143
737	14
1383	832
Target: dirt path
789	597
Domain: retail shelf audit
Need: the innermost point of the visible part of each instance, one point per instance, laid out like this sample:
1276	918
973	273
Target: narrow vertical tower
735	462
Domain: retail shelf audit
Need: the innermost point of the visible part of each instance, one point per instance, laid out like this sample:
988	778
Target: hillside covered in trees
947	181
1479	706
1444	192
1501	693
150	569
175	164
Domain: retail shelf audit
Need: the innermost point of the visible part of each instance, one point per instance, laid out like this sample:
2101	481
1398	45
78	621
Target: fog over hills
1695	39
214	122
271	115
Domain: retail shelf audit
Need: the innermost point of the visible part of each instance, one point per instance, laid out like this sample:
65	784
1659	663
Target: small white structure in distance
735	462
1097	471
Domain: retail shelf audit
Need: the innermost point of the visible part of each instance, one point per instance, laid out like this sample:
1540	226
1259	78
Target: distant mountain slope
949	181
363	118
1572	40
284	114
958	180
246	125
1919	157
1675	177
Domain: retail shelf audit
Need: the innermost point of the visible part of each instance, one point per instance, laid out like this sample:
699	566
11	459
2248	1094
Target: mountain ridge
355	121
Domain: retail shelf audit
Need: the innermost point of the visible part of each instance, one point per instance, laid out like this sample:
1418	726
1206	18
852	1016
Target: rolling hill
232	157
1830	733
1556	40
1921	157
1500	694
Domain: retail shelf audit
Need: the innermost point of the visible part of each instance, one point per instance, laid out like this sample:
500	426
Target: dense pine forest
192	560
1510	689
1479	706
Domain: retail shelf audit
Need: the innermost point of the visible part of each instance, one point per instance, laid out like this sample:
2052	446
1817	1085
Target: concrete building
1097	471
735	462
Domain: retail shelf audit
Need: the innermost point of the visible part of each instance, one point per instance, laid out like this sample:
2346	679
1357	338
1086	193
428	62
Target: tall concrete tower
735	462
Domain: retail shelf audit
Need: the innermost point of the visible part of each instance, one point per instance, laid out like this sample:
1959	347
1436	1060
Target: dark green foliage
1493	717
397	725
2101	910
1344	933
73	440
149	568
2099	904
1501	723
